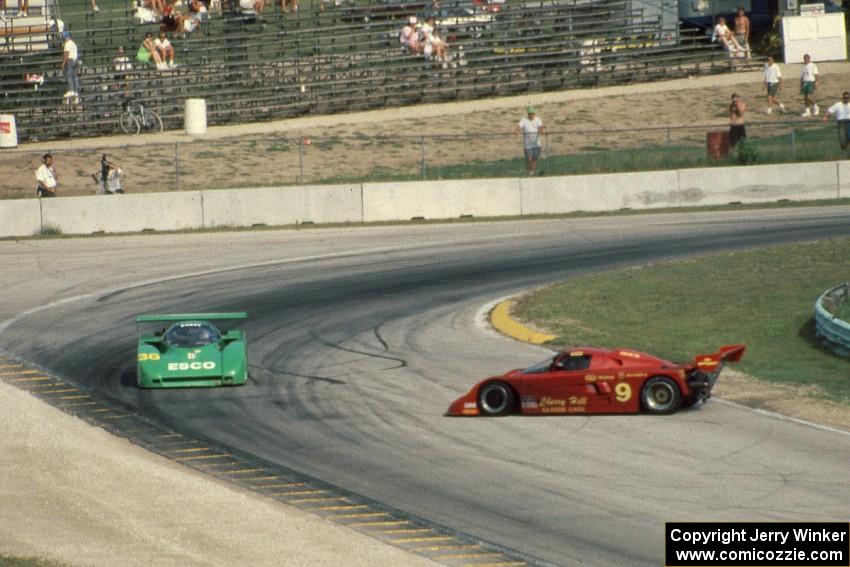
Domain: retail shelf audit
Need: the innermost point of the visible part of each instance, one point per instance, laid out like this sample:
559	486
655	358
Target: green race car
192	352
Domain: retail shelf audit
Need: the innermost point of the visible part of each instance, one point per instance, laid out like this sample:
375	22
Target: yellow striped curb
502	321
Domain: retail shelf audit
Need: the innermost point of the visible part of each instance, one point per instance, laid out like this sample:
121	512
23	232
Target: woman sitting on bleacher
147	52
726	38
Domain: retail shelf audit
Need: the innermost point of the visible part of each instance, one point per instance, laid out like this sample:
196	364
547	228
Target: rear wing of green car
191	317
170	318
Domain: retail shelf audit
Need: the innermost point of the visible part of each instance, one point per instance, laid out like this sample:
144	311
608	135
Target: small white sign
812	9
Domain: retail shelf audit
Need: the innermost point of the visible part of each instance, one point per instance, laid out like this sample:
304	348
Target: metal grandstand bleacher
334	57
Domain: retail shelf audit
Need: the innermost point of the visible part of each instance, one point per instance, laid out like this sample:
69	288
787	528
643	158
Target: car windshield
542	366
192	334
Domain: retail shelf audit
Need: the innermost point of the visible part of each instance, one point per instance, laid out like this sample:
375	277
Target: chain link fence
275	160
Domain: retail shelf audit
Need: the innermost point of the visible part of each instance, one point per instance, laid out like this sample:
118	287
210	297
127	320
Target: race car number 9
623	392
143	356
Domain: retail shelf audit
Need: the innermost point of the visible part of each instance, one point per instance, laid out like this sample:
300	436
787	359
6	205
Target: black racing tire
496	398
660	396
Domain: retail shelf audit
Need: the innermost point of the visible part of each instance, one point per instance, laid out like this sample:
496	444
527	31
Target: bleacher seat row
333	59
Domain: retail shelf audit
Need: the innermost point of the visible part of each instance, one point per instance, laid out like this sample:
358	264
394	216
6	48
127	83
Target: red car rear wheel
660	395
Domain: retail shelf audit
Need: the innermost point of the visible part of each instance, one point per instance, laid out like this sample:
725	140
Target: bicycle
136	117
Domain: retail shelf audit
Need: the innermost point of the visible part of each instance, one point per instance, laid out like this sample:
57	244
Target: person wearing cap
530	127
409	36
841	111
70	61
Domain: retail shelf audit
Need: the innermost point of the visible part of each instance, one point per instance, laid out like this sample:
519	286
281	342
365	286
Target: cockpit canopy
191	334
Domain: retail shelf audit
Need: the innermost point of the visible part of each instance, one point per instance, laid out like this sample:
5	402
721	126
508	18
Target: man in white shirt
773	84
165	49
530	127
70	60
841	111
808	85
46	177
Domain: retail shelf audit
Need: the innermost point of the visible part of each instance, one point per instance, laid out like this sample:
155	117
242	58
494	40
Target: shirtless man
737	130
742	31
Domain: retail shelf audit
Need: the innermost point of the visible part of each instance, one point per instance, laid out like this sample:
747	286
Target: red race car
595	380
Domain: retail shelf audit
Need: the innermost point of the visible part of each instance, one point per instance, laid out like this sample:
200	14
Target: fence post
793	144
667	156
177	166
422	166
301	161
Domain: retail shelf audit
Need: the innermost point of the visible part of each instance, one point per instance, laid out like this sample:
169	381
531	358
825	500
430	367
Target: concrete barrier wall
757	184
429	199
123	213
441	199
20	217
602	192
274	206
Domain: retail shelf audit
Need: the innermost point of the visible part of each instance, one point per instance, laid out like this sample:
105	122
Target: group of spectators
809	84
422	38
108	178
737	43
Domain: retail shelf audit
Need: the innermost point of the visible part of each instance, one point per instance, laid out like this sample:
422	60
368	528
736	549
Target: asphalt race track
360	339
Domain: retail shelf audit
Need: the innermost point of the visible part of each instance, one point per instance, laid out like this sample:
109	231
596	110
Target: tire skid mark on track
295	374
389	525
401	362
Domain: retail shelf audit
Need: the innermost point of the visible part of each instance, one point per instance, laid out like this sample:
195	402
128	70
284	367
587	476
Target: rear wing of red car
713	363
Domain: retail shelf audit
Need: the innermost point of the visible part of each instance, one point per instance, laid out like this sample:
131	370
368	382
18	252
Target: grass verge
763	298
14	561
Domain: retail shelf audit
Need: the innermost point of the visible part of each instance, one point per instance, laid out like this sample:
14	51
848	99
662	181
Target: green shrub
746	153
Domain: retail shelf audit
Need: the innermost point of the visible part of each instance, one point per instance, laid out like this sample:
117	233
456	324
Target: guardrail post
301	161
177	166
793	144
422	166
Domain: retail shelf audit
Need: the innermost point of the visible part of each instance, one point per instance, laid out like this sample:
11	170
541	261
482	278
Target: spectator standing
530	127
291	4
165	49
70	61
808	85
841	111
773	84
737	130
46	177
108	178
742	31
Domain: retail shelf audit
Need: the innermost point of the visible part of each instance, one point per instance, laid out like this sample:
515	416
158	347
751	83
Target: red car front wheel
496	398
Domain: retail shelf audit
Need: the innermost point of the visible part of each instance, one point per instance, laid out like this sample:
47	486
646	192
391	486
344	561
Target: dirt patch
395	141
803	402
